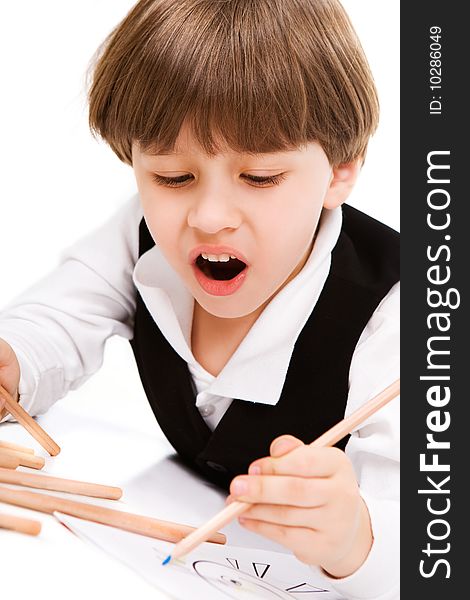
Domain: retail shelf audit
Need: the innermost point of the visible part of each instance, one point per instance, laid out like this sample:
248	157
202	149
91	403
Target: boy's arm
374	452
58	327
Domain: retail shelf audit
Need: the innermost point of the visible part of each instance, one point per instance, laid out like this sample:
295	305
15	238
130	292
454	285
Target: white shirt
58	328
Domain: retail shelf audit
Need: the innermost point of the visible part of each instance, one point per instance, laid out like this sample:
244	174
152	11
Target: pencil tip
167	560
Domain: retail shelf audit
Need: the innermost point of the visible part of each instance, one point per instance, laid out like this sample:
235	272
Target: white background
57	181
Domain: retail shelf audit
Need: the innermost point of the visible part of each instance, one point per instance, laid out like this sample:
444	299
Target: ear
343	178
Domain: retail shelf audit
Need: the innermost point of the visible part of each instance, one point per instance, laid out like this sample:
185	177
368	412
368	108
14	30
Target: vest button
207	410
216	466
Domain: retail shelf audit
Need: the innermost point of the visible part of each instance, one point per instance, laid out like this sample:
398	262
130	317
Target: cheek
164	223
289	250
168	244
288	227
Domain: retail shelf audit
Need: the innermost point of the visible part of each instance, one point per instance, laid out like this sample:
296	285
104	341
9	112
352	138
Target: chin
226	307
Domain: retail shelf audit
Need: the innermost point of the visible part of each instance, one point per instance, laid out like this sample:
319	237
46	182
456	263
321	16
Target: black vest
365	265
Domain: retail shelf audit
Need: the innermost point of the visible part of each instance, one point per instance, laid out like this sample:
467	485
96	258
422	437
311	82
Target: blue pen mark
167	560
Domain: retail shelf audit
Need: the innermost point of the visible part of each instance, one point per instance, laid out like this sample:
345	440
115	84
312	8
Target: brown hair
264	75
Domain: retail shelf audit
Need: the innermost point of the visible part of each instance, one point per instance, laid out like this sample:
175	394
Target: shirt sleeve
58	327
374	452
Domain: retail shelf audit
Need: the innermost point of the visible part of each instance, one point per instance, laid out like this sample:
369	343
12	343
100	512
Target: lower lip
216	287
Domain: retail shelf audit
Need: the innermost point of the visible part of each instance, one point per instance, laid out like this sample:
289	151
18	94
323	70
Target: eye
253	179
270	179
170	181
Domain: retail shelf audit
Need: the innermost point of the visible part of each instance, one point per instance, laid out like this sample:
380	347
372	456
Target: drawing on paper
211	571
237	582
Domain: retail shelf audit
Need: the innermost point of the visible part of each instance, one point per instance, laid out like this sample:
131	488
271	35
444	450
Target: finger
5	352
291	516
283	444
279	446
303	461
291	537
274	489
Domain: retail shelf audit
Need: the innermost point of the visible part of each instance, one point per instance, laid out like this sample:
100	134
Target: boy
255	304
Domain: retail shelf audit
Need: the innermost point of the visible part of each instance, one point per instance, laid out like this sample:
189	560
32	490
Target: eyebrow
254	154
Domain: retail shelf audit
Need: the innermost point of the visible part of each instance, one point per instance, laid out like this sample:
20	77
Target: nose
214	211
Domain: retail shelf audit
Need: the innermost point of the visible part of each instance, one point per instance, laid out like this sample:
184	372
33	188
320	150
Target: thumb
284	444
9	368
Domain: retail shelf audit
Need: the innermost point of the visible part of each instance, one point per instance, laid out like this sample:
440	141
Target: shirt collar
257	369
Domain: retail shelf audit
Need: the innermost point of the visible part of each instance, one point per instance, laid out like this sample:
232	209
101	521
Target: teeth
217	257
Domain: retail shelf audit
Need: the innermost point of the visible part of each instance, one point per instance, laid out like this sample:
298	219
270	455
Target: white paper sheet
211	571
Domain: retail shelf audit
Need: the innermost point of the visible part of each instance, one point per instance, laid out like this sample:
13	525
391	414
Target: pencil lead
167	560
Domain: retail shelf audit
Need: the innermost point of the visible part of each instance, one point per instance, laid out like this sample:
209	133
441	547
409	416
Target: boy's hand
308	500
9	372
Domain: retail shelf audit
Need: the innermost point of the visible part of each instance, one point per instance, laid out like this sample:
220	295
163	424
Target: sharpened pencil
329	438
25	459
163	530
11	446
58	484
28	526
27	421
8	461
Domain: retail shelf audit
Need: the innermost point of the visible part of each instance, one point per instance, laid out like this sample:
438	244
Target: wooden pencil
17	411
26	459
329	438
28	526
58	484
10	446
8	461
163	530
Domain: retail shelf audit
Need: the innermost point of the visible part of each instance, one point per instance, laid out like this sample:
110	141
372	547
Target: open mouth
220	270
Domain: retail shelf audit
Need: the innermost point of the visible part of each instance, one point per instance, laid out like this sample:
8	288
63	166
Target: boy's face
202	210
